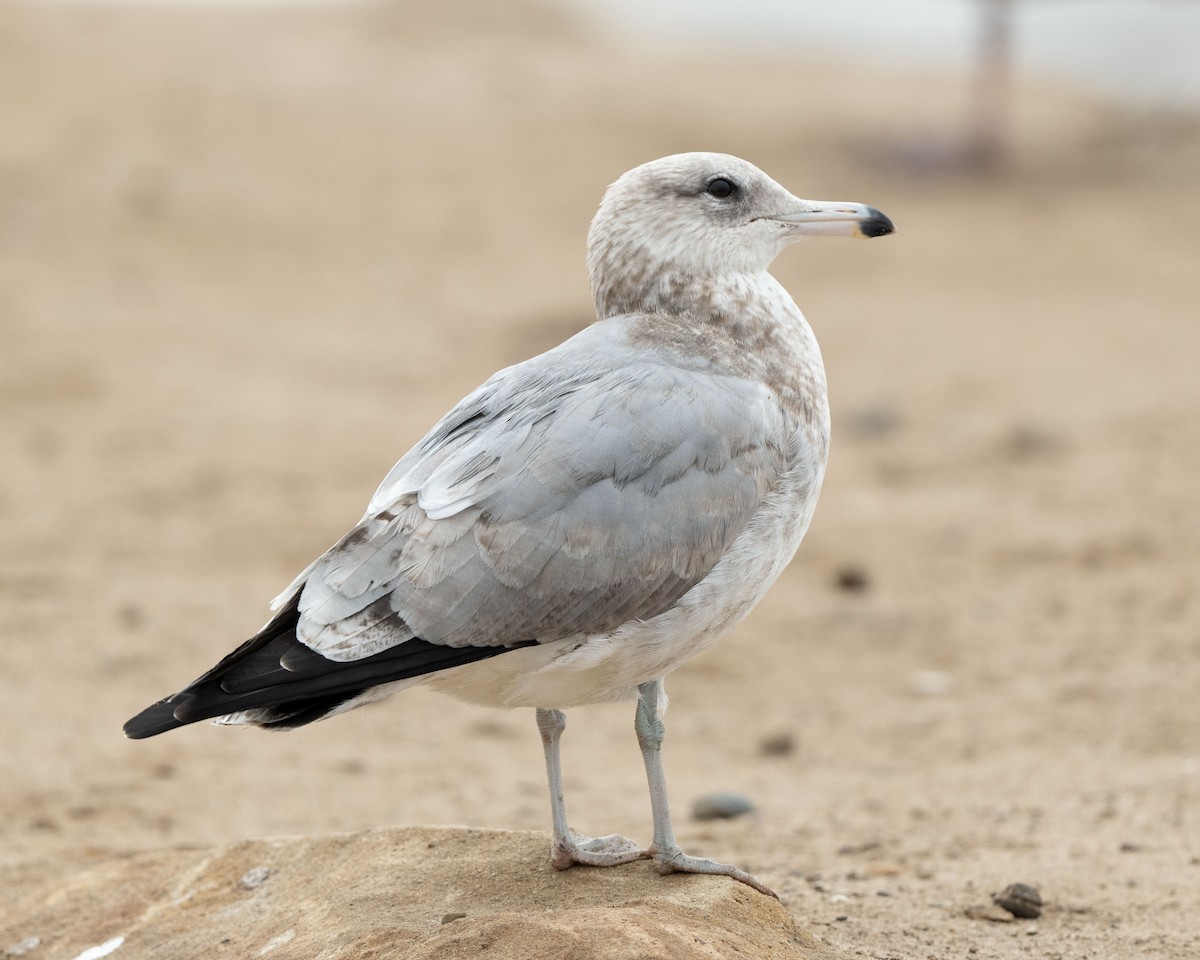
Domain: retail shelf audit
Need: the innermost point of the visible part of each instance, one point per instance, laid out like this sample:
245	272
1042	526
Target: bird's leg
568	847
668	858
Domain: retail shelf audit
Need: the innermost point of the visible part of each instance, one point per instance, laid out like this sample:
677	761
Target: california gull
587	520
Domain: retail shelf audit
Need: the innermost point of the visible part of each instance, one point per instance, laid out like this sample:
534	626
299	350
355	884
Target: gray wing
570	494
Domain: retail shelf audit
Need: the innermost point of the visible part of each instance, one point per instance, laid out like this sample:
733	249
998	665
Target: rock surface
415	893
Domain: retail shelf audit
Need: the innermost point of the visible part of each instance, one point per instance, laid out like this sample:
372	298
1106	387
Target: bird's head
698	215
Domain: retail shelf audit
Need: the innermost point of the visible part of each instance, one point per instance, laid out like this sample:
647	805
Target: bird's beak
834	218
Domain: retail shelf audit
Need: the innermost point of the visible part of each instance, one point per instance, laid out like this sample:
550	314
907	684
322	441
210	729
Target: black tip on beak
878	225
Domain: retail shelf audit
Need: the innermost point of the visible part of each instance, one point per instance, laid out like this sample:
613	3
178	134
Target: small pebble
777	745
721	806
451	917
254	877
1021	900
851	579
102	950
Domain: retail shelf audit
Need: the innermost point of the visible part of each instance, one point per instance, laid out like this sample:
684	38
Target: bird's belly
595	669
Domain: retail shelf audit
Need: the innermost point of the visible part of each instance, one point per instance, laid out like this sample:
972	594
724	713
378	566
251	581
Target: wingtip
152	721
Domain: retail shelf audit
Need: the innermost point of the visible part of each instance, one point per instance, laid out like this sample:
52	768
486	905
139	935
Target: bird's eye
721	188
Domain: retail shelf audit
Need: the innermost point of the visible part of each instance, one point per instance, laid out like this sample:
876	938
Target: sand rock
423	893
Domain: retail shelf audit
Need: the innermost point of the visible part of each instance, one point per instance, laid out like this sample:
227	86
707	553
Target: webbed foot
676	861
595	851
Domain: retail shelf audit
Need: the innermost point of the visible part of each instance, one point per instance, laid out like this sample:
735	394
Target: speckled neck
743	324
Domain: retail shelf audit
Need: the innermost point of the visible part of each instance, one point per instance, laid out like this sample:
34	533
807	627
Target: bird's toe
676	861
596	851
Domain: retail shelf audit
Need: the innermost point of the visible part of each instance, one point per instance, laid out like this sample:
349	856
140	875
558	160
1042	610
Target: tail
254	678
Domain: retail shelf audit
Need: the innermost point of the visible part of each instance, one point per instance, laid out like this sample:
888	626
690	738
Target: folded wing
568	495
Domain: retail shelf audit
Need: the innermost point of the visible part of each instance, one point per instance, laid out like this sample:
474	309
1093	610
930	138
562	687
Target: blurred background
250	252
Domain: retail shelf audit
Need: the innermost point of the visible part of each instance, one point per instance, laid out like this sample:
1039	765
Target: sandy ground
247	258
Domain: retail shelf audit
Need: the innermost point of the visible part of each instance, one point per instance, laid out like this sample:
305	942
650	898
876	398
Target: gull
589	519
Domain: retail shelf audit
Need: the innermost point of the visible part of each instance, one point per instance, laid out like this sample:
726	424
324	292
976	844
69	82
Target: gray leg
568	847
668	858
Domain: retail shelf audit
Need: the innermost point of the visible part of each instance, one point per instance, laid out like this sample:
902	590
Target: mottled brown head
697	215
